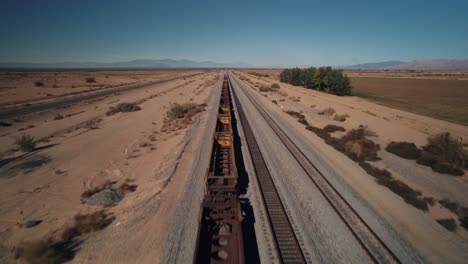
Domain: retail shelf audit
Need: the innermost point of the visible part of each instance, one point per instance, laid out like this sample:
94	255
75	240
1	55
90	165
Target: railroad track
287	244
377	250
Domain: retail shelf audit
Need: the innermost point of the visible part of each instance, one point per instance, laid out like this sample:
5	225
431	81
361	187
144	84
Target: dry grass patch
333	128
180	110
327	111
58	117
460	211
444	154
26	143
404	150
88	193
123	107
356	146
340	118
62	245
295	98
275	86
449	223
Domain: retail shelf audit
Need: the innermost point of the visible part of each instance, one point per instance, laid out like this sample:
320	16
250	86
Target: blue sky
262	33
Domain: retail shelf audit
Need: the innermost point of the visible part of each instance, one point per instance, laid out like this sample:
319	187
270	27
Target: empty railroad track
287	245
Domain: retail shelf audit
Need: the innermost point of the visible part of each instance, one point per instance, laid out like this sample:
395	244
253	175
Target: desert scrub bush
265	89
409	195
444	154
62	245
274	101
123	107
460	211
448	223
404	150
39	83
90	192
58	117
282	93
186	110
357	147
295	98
26	143
333	128
302	119
294	113
275	86
327	111
340	118
128	107
91	80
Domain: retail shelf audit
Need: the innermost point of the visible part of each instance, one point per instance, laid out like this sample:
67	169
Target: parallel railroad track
377	250
287	244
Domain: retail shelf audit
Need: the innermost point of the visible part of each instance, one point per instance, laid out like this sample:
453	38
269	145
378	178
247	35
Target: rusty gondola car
220	223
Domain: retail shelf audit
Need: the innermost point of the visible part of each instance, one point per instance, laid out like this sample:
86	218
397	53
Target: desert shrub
282	93
446	148
445	168
90	80
92	222
58	117
294	113
460	211
187	110
464	222
26	143
274	101
123	107
451	206
327	111
62	247
295	98
340	118
404	150
88	193
46	251
302	119
448	223
333	128
385	178
128	107
426	159
126	187
39	83
275	86
265	89
258	74
359	147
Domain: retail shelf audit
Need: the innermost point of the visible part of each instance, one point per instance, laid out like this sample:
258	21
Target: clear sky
261	33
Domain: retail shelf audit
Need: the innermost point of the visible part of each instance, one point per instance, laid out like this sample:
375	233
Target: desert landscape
133	153
387	124
215	132
136	156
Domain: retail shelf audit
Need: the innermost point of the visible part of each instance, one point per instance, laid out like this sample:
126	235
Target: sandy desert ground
87	148
42	191
19	87
389	124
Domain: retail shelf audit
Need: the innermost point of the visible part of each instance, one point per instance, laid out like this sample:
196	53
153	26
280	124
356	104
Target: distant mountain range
165	63
173	64
373	65
412	65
